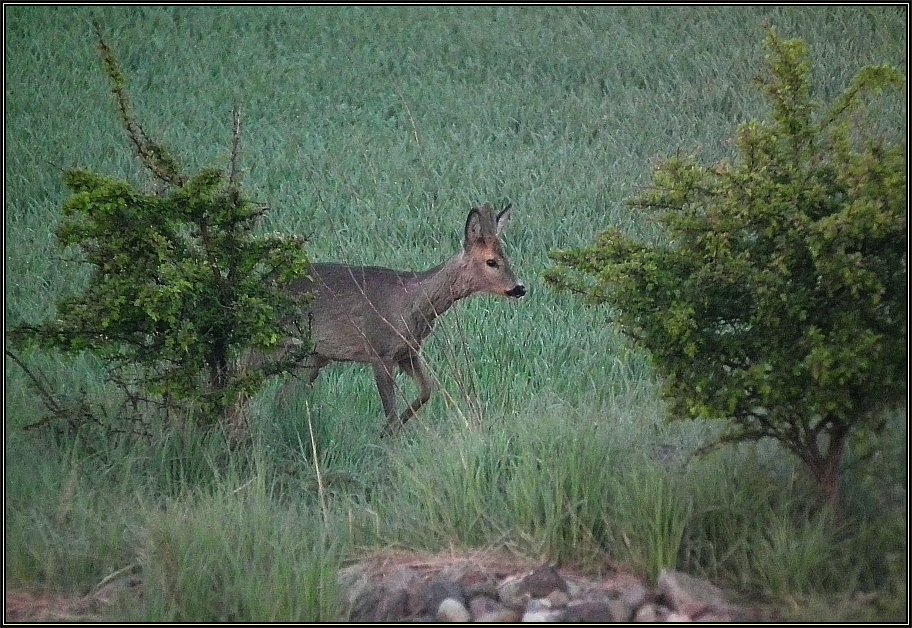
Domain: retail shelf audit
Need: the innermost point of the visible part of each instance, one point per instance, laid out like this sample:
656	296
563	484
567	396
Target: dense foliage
777	295
181	285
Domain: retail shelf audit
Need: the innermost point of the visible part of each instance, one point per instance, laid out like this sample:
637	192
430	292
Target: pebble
453	611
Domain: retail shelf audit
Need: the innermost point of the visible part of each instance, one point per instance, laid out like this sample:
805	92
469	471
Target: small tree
180	285
778	298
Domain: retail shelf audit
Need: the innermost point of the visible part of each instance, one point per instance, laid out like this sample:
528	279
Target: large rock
691	596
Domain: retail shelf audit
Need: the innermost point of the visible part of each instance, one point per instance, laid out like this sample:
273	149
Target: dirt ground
23	606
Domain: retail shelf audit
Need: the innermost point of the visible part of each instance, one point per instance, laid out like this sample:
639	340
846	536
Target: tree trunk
827	468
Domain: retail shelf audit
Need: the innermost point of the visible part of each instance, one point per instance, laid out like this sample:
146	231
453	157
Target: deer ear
474	229
503	218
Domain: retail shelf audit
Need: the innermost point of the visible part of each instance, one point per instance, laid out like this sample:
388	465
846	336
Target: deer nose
516	291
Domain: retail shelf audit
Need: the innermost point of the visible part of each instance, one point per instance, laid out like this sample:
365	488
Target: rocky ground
478	587
485	588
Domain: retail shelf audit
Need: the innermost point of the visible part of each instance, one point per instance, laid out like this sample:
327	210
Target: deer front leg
415	368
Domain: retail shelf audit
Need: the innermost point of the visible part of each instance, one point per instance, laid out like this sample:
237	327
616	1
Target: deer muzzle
516	291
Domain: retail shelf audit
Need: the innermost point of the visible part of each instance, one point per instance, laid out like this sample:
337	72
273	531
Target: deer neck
442	286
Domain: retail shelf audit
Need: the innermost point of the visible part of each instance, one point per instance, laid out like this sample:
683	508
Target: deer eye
492	263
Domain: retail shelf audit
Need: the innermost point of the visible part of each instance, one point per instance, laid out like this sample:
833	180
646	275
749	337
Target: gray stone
403	596
477	582
620	609
453	611
684	592
720	617
538	604
487	610
361	600
436	591
591	611
393	606
364	610
650	613
557	599
512	593
424	619
543	581
577	589
634	596
544	615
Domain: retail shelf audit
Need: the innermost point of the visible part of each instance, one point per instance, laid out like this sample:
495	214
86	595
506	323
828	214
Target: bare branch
153	156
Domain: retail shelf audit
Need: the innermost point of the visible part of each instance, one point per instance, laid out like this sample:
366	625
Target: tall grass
238	555
373	129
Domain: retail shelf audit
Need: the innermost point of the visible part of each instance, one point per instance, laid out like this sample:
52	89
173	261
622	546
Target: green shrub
776	297
180	284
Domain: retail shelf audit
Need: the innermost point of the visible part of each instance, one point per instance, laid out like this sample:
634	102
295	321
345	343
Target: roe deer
381	317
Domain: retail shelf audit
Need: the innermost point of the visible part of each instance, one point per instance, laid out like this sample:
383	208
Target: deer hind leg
415	368
289	389
385	376
313	369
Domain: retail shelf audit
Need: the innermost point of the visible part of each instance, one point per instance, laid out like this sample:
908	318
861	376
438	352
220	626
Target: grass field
374	130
